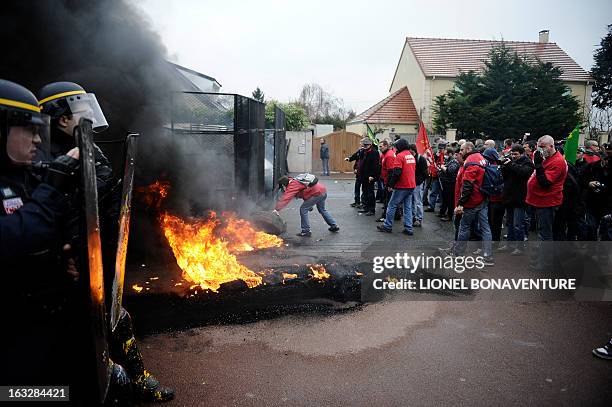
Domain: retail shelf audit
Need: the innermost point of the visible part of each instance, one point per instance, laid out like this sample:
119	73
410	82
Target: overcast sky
352	47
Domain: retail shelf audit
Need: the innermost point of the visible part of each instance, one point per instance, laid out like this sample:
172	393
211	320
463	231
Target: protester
313	192
369	172
420	178
597	187
471	203
324	154
496	207
489	144
448	177
545	193
402	181
516	171
436	188
591	153
357	156
387	158
507	145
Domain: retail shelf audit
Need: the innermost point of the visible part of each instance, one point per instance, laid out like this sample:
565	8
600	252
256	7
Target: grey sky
351	48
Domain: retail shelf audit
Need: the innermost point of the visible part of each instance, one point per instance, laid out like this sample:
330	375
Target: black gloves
538	159
61	174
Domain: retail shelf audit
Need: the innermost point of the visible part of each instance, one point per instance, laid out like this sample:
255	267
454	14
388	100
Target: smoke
110	49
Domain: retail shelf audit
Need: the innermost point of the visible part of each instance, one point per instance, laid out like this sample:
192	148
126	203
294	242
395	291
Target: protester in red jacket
591	155
545	186
387	157
472	204
314	195
402	181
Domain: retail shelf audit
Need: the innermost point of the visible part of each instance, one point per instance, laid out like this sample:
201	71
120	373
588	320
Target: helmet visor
28	142
86	105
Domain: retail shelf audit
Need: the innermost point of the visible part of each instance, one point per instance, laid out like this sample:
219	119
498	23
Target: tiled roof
397	108
448	57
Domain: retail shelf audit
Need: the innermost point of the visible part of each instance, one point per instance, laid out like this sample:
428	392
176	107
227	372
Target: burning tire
269	222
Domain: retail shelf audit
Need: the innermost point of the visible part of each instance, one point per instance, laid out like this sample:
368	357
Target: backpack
493	181
306	179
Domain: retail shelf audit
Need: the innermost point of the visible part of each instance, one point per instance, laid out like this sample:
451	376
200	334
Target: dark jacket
421	173
370	165
597	200
516	174
324	151
449	177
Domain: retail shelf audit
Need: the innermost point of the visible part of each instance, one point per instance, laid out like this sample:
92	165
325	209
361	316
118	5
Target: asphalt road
390	353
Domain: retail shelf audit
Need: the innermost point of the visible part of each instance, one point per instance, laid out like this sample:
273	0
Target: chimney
544	36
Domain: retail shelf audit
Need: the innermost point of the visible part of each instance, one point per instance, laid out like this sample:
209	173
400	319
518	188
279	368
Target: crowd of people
485	189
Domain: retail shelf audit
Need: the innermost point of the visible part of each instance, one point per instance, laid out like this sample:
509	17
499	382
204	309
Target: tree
513	95
294	114
324	108
259	95
602	72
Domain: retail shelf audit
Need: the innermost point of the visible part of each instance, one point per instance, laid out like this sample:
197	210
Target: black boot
125	351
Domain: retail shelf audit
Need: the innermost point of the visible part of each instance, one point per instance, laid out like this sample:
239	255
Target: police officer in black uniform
66	103
38	324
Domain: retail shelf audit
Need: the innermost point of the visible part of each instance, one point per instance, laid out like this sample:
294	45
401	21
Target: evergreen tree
259	95
513	95
602	72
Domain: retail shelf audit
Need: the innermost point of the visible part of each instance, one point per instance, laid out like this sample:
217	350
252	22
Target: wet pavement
390	353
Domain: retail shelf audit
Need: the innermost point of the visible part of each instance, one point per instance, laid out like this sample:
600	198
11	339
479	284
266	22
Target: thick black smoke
106	46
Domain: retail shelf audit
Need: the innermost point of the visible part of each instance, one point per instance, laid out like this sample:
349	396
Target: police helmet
23	129
69	98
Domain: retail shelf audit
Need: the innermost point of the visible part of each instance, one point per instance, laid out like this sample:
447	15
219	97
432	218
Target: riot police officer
37	323
66	103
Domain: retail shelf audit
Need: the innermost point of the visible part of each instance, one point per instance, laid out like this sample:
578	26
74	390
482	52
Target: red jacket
474	173
387	158
555	171
405	160
458	183
591	158
296	189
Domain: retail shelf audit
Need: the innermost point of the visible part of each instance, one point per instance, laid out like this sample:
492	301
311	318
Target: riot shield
91	257
124	228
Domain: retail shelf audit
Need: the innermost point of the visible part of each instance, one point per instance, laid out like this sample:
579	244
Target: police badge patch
12	204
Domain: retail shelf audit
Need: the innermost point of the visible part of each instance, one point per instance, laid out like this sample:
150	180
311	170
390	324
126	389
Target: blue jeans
478	214
545	218
319	201
403	195
515	222
417	202
435	194
325	162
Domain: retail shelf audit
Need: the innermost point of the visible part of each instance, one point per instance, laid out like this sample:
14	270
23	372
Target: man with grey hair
545	192
591	154
489	144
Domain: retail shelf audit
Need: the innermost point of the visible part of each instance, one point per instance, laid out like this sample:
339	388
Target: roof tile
396	108
449	57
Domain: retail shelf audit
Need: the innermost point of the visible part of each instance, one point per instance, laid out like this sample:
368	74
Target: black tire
269	222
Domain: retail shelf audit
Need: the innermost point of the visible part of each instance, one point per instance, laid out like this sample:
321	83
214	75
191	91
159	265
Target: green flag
371	135
571	145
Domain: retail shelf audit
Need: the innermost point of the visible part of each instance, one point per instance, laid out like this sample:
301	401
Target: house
395	114
428	67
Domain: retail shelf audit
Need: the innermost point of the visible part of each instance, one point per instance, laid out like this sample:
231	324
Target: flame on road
204	248
318	272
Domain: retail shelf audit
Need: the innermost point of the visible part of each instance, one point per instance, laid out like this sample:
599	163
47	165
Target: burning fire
205	248
319	272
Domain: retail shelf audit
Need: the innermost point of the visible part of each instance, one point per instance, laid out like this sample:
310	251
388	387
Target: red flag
422	142
424	148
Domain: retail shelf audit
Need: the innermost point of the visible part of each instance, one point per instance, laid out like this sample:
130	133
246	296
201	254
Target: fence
223	135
